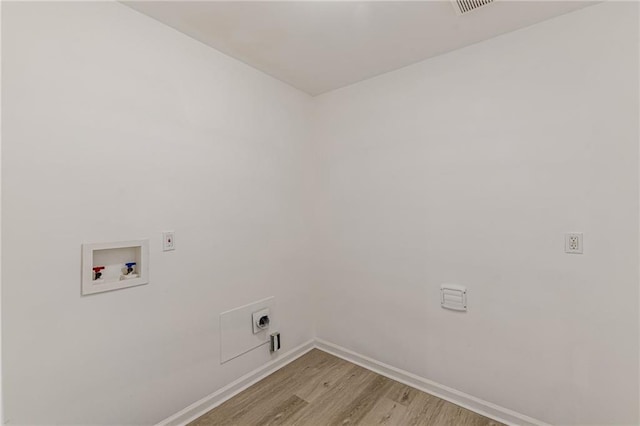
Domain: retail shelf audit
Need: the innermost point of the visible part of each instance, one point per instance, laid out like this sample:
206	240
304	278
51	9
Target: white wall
118	127
469	168
465	168
1	379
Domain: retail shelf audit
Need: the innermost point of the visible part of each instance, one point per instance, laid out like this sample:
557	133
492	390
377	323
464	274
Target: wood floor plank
449	415
280	414
319	385
360	406
385	412
321	389
469	418
422	410
337	397
250	404
402	393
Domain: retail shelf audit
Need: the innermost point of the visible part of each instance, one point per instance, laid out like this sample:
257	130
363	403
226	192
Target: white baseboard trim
462	399
485	408
209	402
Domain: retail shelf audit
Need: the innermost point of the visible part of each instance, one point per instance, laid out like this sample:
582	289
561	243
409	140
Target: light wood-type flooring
321	389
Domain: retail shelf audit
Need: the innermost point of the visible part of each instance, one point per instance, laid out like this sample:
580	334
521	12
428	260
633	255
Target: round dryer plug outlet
261	320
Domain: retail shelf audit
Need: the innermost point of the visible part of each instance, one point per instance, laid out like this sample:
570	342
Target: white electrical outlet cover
573	243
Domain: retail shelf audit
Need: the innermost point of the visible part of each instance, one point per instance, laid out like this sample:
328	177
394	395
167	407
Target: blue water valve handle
130	266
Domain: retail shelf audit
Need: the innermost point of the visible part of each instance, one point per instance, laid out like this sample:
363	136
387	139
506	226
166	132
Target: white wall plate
573	243
236	329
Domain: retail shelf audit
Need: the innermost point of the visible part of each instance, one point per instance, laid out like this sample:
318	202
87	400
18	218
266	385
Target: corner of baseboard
477	405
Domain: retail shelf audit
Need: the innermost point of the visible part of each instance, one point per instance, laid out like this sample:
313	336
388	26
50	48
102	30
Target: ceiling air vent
466	6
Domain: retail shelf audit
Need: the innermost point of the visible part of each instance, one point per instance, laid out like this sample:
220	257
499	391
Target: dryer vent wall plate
454	297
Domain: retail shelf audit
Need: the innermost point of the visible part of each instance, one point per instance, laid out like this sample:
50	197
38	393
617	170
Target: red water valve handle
98	268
